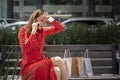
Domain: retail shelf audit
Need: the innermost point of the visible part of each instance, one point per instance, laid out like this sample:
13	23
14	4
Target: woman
34	64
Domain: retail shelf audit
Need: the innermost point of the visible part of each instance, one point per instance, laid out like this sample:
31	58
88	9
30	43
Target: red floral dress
34	64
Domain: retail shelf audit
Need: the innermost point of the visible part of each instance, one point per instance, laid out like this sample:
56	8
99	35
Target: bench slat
77	47
91	54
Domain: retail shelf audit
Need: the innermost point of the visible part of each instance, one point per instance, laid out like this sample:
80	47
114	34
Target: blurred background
85	21
81	16
21	9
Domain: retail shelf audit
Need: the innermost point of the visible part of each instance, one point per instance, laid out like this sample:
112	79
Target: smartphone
35	20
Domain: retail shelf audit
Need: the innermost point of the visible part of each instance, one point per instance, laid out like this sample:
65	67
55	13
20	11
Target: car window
11	21
15	27
112	23
94	23
90	24
2	22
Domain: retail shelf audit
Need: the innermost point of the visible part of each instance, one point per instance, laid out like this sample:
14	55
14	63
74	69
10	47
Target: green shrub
82	35
7	37
74	34
106	35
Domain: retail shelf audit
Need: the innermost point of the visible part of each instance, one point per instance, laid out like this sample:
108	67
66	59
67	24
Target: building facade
63	8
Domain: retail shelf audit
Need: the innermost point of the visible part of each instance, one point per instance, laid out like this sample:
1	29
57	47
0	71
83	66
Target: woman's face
42	19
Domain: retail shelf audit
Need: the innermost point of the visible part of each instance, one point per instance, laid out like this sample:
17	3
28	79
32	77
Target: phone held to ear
35	22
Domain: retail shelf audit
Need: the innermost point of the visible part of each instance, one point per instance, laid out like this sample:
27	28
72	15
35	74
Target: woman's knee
58	61
57	71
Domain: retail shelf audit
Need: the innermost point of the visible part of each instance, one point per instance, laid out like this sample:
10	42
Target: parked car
15	26
91	22
118	23
6	21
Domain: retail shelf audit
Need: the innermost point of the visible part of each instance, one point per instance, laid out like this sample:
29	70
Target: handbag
86	66
67	62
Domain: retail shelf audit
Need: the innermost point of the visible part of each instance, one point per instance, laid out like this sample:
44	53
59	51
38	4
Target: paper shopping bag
67	62
75	66
86	66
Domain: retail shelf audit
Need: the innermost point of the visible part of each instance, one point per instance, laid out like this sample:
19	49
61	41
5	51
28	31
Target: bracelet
51	19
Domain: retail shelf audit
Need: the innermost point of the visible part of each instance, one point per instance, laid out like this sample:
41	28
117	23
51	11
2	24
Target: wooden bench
103	57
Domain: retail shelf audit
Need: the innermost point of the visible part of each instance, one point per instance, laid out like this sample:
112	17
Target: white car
92	22
16	25
6	21
118	23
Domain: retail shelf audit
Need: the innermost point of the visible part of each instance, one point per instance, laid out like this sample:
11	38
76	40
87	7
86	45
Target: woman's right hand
34	27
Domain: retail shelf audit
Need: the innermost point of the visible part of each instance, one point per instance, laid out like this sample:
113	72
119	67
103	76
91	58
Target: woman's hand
34	27
48	18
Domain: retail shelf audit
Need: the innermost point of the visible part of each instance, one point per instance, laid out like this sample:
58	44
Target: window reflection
62	2
104	2
29	2
16	3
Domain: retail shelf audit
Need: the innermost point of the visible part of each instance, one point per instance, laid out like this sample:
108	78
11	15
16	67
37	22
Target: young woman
34	64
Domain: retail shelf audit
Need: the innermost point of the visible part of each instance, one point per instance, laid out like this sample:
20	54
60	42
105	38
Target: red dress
34	64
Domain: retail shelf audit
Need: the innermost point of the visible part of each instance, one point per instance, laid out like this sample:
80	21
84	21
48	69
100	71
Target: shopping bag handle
67	53
86	53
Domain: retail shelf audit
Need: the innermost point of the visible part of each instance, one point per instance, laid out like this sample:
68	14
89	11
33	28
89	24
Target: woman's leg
58	72
57	61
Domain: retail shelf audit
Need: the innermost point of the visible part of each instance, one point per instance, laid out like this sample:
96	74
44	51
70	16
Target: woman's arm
55	28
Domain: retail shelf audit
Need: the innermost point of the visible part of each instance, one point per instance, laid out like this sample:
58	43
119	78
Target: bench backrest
10	56
103	57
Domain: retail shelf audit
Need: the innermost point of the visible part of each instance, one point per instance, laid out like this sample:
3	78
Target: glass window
16	3
11	21
29	2
104	14
62	2
2	22
74	2
103	2
16	15
77	14
89	23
